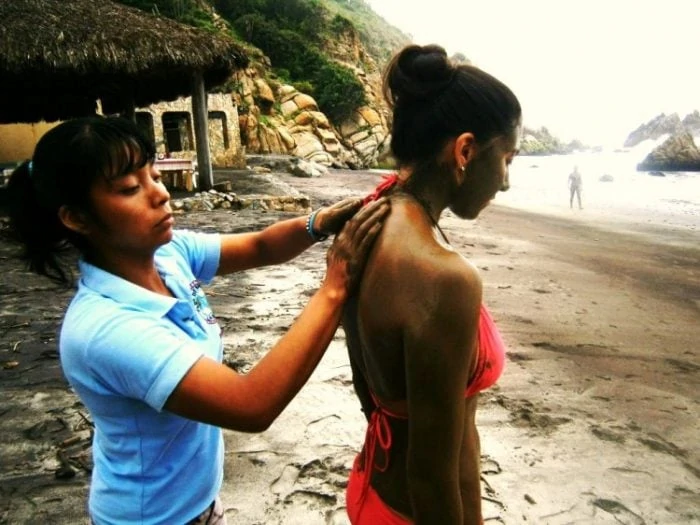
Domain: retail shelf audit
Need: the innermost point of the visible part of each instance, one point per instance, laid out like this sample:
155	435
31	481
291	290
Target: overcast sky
593	70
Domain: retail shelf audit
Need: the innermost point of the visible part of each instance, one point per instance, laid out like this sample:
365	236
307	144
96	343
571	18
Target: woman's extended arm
215	394
283	240
439	346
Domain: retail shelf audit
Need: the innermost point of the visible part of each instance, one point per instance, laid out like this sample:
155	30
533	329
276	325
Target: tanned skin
412	337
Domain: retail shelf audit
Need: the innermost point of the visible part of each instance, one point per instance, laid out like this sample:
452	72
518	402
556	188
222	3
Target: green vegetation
542	142
305	17
379	37
297	60
292	34
264	121
188	12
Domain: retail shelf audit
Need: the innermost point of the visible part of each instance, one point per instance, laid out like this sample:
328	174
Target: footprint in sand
617	509
524	413
285	482
607	434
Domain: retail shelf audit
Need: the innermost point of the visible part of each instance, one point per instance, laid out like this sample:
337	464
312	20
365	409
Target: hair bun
418	72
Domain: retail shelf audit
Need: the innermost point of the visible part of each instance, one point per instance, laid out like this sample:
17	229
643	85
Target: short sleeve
140	357
201	251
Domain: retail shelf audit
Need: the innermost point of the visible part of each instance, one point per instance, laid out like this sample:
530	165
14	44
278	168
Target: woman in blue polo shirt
139	343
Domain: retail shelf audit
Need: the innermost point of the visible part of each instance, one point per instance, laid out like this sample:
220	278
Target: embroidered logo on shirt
200	302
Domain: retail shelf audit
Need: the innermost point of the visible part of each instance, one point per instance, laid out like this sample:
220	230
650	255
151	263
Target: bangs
114	149
125	158
123	153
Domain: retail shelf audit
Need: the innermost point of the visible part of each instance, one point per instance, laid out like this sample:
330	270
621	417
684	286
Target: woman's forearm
213	393
470	473
435	500
278	243
282	241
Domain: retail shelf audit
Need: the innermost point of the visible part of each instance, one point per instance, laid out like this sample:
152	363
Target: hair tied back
418	73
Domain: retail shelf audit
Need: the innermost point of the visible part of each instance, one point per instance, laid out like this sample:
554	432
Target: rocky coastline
678	150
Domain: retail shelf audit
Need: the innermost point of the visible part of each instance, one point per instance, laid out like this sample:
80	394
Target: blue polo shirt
124	349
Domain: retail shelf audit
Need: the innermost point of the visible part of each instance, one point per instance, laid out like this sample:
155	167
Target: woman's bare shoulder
410	261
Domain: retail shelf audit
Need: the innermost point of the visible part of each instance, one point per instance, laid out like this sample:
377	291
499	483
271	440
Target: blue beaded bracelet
316	237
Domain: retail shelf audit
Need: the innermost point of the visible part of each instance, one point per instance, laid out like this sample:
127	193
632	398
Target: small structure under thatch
59	57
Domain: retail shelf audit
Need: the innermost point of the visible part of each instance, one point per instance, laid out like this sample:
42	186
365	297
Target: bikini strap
388	182
378	434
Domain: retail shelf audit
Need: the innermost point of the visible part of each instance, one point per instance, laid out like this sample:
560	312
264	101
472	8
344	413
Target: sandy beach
596	419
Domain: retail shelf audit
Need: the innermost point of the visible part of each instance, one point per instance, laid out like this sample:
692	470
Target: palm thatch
57	57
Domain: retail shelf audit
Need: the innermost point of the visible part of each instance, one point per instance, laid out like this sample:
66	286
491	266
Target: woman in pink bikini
421	342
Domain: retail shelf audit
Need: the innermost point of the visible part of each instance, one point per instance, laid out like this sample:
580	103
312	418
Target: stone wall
225	145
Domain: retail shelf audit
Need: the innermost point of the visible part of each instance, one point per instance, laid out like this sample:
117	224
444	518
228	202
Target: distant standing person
575	186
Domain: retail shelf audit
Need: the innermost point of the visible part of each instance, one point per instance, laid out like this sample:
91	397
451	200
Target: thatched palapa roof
58	56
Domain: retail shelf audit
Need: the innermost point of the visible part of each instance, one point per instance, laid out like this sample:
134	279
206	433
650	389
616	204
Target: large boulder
677	153
364	134
655	129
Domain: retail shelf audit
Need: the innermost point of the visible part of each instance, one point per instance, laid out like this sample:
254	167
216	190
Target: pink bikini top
491	357
489	366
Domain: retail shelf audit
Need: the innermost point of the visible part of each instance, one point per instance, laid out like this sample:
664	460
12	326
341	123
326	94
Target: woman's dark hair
66	162
434	100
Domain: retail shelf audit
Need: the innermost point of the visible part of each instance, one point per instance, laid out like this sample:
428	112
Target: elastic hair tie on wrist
316	237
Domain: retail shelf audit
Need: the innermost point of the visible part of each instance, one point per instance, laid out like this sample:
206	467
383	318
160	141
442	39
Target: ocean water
541	184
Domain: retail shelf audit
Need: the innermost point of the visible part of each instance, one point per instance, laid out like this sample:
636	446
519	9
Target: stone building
168	124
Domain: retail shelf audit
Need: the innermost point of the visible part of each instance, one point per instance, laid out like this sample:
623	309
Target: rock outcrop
677	153
655	129
542	142
278	119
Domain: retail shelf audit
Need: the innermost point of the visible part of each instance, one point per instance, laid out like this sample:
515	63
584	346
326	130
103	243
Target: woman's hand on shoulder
330	219
347	256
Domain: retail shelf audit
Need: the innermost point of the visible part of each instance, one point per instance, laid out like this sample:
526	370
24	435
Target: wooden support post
129	111
205	180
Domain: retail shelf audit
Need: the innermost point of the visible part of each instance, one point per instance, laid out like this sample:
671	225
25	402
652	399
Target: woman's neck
430	197
141	271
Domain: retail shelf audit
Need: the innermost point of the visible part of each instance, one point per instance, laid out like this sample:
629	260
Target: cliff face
278	118
678	152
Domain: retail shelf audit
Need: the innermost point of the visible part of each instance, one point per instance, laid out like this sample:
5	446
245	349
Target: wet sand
595	419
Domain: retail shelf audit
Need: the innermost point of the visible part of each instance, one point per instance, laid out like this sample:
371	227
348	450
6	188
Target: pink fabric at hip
370	509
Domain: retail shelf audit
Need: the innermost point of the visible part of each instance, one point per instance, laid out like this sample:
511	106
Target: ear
73	220
464	151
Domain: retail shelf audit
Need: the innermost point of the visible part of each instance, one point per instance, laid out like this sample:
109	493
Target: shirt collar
123	291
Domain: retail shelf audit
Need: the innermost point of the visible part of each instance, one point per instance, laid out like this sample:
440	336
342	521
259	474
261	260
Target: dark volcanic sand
595	419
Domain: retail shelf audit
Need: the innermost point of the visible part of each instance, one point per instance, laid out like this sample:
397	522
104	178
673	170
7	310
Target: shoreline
593	421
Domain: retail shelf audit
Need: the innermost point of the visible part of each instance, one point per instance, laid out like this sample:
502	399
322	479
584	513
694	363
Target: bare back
411	335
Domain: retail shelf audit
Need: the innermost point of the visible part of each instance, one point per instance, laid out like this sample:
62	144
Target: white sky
588	69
